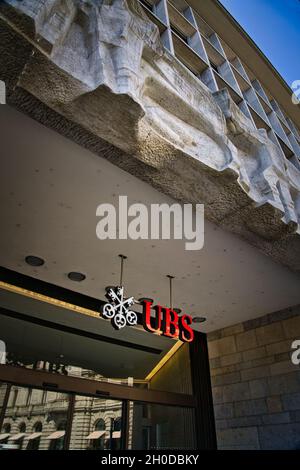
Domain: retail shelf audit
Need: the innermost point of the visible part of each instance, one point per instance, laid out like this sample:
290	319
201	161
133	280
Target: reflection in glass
96	424
35	419
3	388
175	375
161	427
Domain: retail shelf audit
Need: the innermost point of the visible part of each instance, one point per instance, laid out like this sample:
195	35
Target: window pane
3	388
33	346
35	419
175	374
161	427
97	424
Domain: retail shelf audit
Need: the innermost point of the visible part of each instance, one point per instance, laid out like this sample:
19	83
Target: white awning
4	436
116	434
57	435
35	435
95	435
16	437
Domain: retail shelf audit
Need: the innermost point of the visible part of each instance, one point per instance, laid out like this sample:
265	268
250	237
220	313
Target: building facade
164	101
37	420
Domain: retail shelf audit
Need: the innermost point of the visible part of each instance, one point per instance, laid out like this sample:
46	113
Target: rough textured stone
215	363
267	397
217	393
259	388
224	411
271	318
225	379
276	418
236	392
246	341
256	363
291	401
283	314
221	424
283	384
163	119
221	347
295	416
269	334
278	348
232	330
250	407
244	421
292	327
244	438
213	335
283	367
256	323
282	357
255	373
231	359
252	354
274	404
223	370
281	436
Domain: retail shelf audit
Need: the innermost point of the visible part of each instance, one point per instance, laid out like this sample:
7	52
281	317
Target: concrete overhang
118	93
52	188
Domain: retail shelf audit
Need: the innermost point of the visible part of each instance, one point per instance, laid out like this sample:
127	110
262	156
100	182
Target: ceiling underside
52	187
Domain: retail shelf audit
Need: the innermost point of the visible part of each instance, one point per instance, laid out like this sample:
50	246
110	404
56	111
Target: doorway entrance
35	418
70	381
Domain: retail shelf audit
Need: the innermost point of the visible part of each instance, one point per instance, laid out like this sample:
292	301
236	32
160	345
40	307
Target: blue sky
274	25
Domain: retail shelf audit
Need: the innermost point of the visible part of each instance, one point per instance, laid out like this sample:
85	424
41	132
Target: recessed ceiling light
199	319
77	277
34	260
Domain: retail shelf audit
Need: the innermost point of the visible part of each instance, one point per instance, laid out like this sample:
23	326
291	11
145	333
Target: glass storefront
96	424
91	388
37	419
162	427
34	419
40	418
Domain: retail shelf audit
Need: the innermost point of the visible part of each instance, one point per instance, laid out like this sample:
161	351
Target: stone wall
256	388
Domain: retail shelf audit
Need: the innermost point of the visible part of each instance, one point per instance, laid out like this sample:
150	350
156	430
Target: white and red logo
118	310
166	321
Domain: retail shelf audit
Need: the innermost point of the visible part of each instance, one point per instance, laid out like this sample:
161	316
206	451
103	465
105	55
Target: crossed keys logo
118	309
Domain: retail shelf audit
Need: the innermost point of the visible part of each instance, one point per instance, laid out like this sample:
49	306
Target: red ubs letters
167	322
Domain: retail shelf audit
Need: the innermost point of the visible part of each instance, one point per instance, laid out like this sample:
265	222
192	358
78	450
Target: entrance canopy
38	331
52	188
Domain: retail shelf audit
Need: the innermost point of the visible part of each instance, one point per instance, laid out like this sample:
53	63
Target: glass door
35	419
96	424
153	427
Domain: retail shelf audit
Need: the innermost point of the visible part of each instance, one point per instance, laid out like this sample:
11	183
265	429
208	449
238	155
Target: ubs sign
165	321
